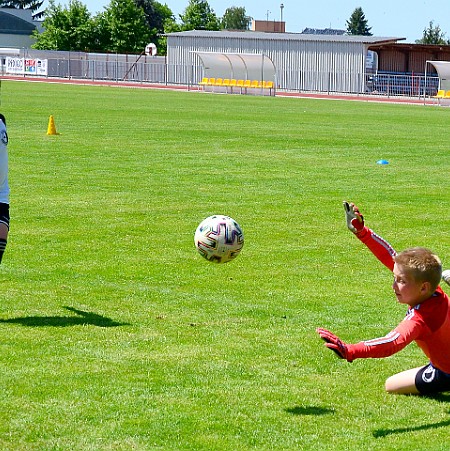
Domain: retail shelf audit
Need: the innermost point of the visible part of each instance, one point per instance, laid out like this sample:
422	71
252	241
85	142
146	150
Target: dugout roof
443	70
239	66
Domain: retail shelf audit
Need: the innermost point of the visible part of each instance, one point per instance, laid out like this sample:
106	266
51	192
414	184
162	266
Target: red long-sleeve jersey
427	323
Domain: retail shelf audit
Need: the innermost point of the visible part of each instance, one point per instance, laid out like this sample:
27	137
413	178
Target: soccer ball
219	239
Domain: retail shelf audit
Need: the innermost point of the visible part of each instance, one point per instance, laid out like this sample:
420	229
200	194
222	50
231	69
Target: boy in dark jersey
417	273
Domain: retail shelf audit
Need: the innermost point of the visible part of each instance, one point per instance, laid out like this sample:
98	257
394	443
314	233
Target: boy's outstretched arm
382	250
393	342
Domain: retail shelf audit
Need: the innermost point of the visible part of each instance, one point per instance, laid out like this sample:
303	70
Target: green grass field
117	335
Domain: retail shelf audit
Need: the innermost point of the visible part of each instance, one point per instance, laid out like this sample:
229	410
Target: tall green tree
433	35
357	24
158	17
198	15
127	26
235	18
101	36
65	28
34	5
155	13
121	28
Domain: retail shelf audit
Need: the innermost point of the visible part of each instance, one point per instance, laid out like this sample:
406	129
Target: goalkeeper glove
355	220
335	344
446	276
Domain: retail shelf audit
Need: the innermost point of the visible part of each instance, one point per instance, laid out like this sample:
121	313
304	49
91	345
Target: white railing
134	68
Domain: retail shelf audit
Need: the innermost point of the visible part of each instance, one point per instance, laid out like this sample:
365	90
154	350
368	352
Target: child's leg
3	239
425	380
403	383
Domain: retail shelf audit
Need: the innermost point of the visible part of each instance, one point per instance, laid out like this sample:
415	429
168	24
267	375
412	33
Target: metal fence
118	70
112	69
143	69
390	84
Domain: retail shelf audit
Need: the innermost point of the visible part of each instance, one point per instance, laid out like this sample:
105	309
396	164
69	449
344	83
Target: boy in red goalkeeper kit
417	273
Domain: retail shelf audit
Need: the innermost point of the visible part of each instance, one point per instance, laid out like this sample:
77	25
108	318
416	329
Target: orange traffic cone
51	129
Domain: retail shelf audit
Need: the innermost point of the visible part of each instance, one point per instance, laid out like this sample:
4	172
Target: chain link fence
156	70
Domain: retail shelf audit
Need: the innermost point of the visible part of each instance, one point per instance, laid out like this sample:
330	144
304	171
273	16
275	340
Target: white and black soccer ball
219	239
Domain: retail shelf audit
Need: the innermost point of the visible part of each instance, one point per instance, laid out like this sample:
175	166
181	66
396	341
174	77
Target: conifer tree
357	24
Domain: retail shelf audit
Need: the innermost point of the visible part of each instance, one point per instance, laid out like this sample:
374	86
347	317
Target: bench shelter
237	72
443	71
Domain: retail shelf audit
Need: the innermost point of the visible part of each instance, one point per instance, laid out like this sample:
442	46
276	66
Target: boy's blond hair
422	264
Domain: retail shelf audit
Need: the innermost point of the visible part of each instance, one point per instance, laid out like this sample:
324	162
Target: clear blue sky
388	18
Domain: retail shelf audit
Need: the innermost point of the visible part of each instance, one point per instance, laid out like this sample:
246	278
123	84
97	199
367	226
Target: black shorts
431	380
4	214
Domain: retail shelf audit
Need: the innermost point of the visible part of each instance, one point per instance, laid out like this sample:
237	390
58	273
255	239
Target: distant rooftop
326	31
371	40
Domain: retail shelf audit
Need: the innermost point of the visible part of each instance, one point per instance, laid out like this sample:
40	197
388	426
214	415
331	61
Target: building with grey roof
16	27
303	62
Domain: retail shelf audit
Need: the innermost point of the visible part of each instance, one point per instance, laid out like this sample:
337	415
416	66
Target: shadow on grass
83	318
309	410
443	397
424	427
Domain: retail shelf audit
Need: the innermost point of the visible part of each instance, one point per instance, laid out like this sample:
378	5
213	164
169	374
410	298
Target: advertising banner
26	66
14	65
